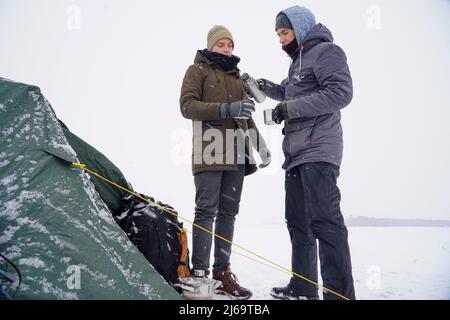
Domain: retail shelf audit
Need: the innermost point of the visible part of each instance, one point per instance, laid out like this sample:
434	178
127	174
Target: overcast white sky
112	71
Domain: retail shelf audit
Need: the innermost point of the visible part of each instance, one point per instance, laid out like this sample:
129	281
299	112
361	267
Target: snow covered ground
388	262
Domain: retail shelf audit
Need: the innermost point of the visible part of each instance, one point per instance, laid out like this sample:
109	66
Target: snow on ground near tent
388	262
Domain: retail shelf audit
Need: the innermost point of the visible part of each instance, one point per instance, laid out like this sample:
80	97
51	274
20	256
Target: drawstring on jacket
300	57
300	61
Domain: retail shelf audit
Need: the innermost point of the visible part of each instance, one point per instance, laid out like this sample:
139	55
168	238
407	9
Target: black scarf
291	48
226	63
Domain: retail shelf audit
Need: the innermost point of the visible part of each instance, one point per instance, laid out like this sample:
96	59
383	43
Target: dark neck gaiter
224	62
291	48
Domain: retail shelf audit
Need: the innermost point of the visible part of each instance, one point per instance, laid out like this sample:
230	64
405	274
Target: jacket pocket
306	75
303	82
213	143
298	135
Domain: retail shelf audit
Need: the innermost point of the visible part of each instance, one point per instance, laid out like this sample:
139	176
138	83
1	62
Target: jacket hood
199	58
319	33
307	32
302	20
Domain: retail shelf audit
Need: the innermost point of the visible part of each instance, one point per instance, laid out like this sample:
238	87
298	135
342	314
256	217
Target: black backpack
156	234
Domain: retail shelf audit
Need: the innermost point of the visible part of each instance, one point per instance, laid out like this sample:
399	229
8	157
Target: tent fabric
97	162
53	220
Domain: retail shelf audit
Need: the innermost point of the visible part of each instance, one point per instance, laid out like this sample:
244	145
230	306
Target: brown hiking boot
230	285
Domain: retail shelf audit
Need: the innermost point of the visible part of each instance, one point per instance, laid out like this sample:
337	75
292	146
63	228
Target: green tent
56	221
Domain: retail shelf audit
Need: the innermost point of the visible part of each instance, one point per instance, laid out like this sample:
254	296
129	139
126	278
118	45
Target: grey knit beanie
282	21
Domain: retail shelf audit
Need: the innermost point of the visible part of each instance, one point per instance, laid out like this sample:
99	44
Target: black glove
280	113
239	110
261	84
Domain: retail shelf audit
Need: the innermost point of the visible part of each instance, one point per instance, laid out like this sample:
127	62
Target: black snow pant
218	194
313	212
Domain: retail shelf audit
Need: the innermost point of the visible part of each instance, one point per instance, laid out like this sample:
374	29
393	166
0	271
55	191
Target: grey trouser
218	194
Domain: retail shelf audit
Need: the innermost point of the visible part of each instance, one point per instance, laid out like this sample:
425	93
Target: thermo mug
268	117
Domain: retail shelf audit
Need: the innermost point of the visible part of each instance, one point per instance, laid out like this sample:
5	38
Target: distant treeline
386	222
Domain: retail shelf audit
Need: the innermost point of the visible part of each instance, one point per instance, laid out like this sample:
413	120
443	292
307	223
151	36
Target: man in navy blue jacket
318	86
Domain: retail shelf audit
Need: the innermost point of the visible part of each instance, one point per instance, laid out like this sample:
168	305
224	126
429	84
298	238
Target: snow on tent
55	218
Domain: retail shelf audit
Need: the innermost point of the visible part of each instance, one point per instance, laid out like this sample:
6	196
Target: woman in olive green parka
213	96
